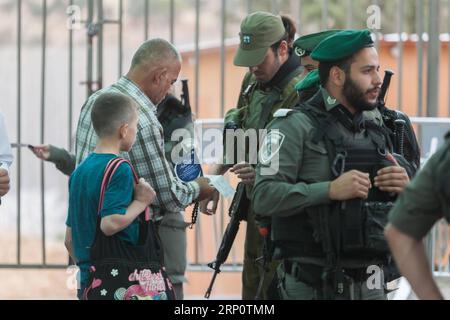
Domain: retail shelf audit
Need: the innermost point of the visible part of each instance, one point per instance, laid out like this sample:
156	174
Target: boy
114	117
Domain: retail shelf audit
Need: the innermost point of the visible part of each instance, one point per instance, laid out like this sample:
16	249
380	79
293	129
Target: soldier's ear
337	76
283	48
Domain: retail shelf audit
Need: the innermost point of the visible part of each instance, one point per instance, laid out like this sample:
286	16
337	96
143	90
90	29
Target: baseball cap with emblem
259	31
304	45
342	45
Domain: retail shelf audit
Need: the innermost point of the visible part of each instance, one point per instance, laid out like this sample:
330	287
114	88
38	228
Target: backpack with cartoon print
122	271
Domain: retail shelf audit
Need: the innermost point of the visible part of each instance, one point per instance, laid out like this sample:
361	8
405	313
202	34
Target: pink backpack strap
110	169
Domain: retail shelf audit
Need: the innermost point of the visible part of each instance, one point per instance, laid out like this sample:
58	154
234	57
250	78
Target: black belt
311	274
306	273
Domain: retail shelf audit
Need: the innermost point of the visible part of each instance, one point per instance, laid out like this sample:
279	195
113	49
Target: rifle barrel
385	86
211	284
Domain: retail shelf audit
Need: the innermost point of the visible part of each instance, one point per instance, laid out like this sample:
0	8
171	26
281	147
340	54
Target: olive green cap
304	45
310	81
342	45
259	31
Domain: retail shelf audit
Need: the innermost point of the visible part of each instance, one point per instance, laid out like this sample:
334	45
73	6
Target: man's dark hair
325	68
289	35
110	111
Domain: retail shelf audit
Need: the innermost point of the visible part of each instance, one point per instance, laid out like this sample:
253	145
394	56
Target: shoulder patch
271	146
282	113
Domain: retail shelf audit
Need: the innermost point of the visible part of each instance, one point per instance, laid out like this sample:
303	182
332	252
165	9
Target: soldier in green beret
308	86
274	70
405	135
304	45
332	178
425	201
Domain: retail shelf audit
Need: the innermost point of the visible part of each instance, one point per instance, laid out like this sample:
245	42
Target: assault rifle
238	211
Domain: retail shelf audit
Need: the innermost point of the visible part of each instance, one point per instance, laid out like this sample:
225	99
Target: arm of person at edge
6	158
278	192
63	159
415	212
4	182
412	261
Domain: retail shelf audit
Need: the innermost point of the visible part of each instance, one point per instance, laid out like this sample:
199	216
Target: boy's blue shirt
84	192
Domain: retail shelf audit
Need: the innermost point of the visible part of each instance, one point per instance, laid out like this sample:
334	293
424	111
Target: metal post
197	55
419	27
274	6
299	18
325	6
376	32
100	44
400	11
222	60
249	6
90	54
349	14
43	66
146	19
120	37
172	21
197	95
448	52
70	97
19	129
433	60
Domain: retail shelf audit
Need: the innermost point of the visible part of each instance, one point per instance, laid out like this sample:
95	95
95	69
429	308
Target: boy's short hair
110	111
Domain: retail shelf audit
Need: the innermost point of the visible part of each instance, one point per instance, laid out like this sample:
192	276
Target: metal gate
85	29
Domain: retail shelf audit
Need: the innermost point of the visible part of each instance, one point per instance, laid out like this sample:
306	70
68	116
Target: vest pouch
363	226
376	219
352	226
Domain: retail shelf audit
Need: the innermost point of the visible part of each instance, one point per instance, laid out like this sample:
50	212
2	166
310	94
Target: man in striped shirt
155	68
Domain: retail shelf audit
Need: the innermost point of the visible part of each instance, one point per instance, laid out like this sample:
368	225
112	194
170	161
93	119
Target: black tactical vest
350	229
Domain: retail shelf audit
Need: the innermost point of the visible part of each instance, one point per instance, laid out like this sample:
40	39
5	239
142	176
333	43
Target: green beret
310	81
342	45
304	45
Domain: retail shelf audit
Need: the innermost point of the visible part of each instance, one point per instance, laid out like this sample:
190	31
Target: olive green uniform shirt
304	174
247	115
426	199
